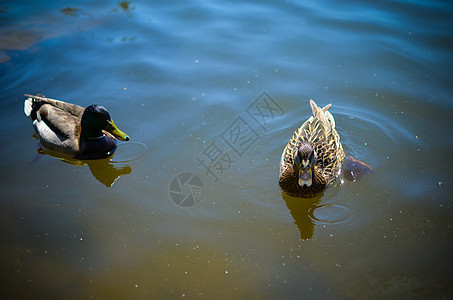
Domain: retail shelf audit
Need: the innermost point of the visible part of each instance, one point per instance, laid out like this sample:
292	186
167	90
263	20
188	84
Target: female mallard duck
83	133
312	158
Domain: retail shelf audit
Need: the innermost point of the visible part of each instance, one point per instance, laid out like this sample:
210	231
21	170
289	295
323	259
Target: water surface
181	78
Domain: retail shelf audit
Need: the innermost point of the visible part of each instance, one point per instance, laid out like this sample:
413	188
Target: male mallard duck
312	158
83	133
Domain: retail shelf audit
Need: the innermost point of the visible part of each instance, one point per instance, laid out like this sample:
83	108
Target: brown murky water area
209	94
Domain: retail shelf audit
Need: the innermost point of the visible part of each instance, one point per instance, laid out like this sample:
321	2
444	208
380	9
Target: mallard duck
312	158
69	129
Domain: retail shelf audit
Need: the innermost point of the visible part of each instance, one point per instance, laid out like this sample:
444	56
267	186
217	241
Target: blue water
179	77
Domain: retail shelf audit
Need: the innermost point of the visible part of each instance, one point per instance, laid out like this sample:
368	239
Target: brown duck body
59	128
319	130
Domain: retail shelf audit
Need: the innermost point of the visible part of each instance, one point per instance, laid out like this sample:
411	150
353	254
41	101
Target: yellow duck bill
111	127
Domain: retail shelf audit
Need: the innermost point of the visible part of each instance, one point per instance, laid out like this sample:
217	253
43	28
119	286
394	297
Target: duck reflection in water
300	210
103	170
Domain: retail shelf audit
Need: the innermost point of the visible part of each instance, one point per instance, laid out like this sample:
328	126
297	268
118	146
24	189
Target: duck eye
296	158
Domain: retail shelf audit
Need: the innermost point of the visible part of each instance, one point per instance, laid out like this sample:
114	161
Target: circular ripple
330	215
130	152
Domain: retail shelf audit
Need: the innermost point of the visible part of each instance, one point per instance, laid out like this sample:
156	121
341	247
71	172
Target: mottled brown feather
319	130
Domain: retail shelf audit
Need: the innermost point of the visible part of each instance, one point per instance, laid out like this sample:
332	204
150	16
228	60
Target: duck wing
72	109
56	122
327	142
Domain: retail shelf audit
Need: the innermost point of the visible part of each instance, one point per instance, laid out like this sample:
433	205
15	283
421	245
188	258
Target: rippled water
160	218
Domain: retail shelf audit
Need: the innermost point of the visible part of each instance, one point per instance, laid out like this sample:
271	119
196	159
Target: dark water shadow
352	169
300	209
103	170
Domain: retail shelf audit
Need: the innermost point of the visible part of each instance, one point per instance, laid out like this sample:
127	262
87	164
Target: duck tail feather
28	107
